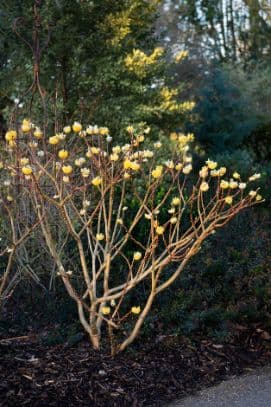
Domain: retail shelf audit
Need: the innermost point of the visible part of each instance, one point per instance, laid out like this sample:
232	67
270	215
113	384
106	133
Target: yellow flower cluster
130	165
138	62
96	181
119	25
157	172
186	106
170	103
26	126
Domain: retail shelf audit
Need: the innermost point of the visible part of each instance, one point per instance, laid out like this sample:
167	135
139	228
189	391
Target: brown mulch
162	370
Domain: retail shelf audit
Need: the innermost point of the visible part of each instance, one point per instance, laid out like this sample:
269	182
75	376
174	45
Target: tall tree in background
228	29
98	61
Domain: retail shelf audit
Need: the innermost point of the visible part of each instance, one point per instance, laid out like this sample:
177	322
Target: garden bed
160	370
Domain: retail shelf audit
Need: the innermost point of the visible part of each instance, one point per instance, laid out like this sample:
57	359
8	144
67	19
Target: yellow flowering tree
86	186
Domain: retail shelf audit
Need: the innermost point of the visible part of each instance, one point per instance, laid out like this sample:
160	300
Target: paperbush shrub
79	188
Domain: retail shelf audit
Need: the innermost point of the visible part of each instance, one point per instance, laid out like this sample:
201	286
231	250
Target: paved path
251	390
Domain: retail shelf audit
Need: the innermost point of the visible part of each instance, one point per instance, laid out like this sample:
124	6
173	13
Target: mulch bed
160	371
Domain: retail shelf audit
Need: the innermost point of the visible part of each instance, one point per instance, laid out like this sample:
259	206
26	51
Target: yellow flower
236	175
63	154
160	230
204	172
178	166
254	177
26	125
104	131
67	129
222	171
67	169
253	194
106	310
27	170
173	220
136	310
147	216
96	181
176	201
126	175
116	149
9	198
259	197
224	184
126	164
228	200
187	169
172	210
95	150
157	172
114	157
77	127
134	166
204	186
66	179
85	172
37	133
100	236
242	185
157	144
233	184
130	129
137	256
170	164
80	161
140	138
211	164
24	161
54	140
147	154
11	135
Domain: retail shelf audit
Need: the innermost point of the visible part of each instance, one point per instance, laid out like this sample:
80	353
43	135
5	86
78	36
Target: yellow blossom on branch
100	236
11	135
27	170
96	181
38	133
77	127
137	256
26	126
159	230
63	154
54	140
204	187
106	310
228	200
157	172
67	169
136	310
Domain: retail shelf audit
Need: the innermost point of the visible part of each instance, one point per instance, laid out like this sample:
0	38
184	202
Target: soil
150	373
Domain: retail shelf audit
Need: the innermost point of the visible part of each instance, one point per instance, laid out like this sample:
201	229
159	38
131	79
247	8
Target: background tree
99	61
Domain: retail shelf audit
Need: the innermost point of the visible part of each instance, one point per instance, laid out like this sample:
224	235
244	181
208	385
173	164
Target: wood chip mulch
162	370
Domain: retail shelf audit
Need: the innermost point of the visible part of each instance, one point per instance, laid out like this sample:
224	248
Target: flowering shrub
78	183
